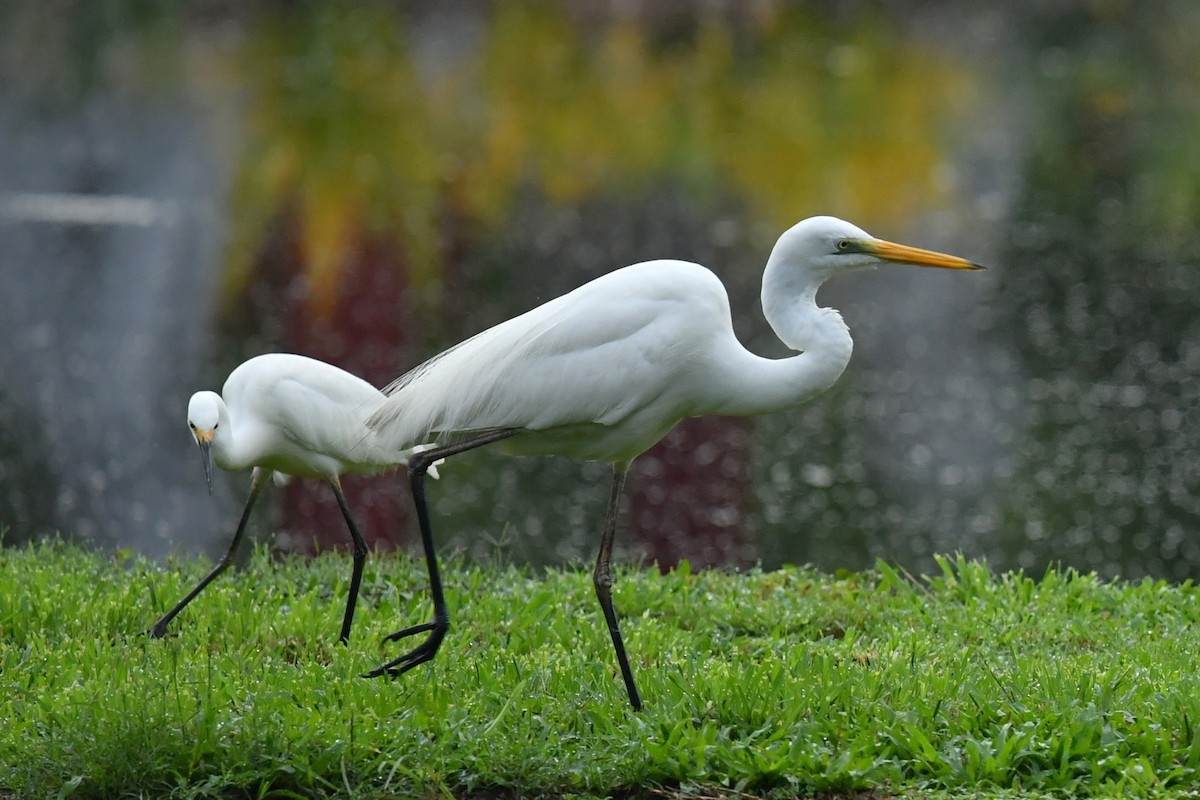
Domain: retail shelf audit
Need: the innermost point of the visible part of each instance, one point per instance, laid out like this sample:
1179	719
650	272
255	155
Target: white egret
292	415
603	372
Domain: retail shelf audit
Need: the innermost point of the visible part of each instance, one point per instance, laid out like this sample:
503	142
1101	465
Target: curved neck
756	385
224	443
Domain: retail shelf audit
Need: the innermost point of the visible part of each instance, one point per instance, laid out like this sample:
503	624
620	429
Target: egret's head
825	246
204	418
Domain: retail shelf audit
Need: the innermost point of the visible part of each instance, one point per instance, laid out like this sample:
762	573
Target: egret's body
291	415
603	373
294	415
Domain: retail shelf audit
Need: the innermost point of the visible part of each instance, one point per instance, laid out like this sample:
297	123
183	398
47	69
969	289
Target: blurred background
183	186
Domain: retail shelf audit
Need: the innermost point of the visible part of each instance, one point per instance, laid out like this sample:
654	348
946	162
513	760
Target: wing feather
594	355
317	407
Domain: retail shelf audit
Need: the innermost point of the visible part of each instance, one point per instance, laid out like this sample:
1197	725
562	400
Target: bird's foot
423	652
415	629
156	631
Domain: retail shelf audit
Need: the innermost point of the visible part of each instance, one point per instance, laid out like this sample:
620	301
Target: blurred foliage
785	107
1119	115
1100	299
568	139
59	53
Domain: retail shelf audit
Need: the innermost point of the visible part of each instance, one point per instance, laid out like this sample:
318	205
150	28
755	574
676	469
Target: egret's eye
192	425
844	245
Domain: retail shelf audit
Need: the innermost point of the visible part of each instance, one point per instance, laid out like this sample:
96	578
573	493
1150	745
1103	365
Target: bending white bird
288	414
603	372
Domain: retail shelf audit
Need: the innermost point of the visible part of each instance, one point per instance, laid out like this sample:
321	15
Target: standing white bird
603	372
289	414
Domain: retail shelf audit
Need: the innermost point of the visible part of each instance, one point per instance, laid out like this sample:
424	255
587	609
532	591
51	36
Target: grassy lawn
787	683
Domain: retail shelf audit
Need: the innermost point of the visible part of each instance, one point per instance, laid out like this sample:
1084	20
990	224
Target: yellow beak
903	254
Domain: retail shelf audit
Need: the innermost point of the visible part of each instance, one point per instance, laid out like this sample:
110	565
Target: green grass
769	683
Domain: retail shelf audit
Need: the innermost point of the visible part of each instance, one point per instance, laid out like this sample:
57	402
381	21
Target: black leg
436	629
257	480
360	557
602	578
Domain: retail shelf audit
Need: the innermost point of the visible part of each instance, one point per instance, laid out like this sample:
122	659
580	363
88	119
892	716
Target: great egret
603	372
292	415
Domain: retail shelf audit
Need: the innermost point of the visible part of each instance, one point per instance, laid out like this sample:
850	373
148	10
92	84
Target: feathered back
594	355
303	412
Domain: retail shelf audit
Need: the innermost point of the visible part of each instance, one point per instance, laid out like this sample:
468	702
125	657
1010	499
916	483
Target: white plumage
605	371
295	415
605	353
285	414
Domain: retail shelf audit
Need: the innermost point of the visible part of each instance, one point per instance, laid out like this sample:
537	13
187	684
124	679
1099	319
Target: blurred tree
1109	334
356	140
